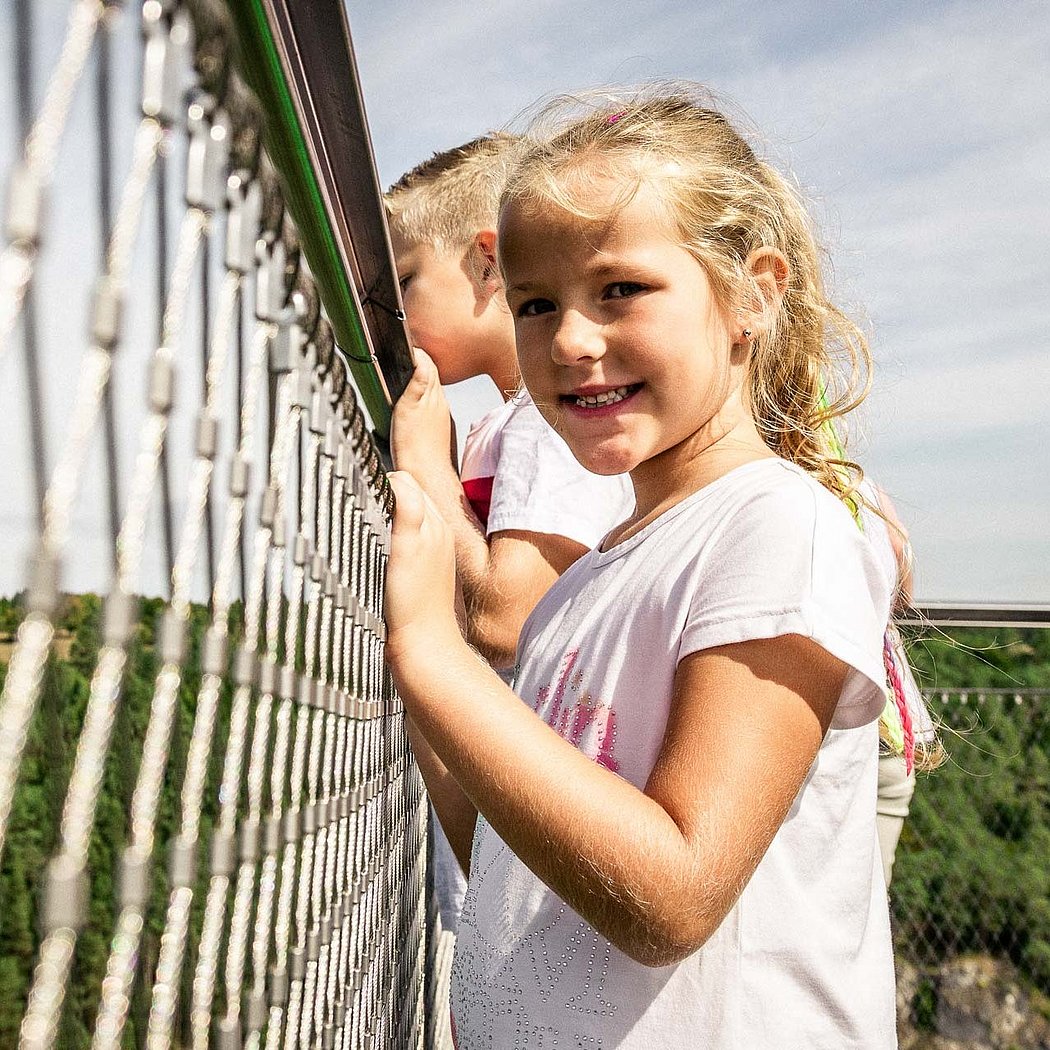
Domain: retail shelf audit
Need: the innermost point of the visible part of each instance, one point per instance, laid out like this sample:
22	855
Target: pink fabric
588	723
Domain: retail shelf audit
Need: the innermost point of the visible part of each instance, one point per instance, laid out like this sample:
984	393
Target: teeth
606	398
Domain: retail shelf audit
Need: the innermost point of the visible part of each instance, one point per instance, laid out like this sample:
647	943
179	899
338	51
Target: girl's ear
485	264
770	272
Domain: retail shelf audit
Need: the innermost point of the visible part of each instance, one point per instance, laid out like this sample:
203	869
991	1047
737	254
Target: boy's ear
485	261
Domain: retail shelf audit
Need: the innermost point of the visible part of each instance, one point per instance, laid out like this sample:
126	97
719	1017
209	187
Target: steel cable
32	177
311	928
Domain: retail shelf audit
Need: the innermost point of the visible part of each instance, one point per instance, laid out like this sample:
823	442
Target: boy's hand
421	428
420	592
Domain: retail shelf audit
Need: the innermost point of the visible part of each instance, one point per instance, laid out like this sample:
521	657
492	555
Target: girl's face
620	340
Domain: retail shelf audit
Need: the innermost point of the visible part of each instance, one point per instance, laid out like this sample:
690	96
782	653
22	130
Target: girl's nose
577	338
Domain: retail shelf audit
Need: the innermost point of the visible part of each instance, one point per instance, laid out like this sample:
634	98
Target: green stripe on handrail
286	145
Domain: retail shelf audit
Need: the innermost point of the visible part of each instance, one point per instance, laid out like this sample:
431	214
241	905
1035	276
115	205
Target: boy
523	509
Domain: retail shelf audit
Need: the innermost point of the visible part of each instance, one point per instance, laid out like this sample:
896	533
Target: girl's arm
455	811
654	871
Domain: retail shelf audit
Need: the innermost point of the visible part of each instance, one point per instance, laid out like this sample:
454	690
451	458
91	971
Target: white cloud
970	396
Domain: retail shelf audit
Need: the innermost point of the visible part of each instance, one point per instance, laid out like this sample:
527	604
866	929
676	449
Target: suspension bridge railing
948	614
232	759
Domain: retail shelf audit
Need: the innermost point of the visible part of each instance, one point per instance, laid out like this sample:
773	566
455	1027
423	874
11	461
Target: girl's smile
600	400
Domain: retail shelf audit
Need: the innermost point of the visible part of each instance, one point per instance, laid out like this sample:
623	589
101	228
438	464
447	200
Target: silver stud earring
747	333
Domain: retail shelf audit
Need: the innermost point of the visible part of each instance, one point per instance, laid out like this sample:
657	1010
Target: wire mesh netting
212	831
971	882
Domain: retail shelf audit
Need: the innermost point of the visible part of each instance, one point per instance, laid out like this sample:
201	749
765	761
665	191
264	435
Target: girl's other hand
421	573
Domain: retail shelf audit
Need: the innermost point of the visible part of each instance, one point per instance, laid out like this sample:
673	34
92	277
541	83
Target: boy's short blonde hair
447	199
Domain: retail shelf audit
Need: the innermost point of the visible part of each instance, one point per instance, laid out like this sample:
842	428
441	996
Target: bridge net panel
239	766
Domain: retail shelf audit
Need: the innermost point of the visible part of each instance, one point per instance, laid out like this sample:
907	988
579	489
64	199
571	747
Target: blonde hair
447	199
812	364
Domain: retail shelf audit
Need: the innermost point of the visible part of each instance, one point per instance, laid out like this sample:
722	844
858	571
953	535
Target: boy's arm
521	568
503	577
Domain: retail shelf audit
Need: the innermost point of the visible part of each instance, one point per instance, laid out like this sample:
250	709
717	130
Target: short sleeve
792	561
540	487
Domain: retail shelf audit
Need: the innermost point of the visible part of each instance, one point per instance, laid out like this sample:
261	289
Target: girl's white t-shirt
803	960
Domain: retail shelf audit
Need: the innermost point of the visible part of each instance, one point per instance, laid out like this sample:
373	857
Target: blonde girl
670	828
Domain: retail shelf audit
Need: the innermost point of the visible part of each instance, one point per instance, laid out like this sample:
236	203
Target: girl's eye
403	282
535	307
623	289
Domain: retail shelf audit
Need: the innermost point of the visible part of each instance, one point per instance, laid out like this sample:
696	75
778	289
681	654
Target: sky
919	132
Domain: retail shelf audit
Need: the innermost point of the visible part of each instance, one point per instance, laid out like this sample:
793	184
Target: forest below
37	810
973	866
973	870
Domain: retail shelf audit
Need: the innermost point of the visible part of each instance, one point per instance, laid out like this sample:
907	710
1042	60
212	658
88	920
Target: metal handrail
300	64
948	614
981	691
320	59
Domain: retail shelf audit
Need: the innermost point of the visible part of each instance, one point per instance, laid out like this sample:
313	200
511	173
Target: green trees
973	868
38	805
33	826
